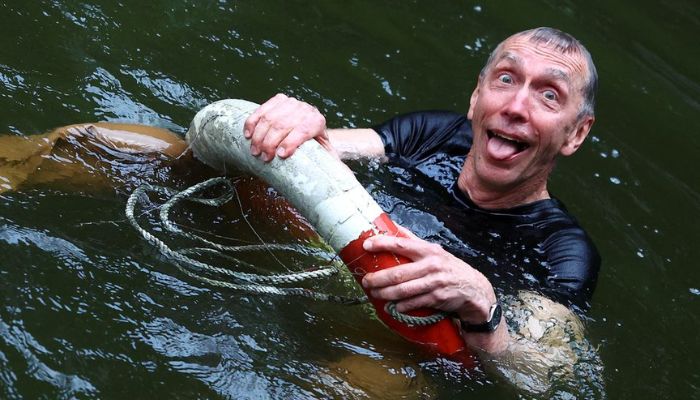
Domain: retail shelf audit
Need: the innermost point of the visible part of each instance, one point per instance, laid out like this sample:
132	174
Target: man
533	101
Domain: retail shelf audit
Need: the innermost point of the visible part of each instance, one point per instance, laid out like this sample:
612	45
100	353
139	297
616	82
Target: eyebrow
507	55
553	73
558	74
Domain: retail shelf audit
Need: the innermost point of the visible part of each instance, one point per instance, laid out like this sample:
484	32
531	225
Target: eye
550	95
505	78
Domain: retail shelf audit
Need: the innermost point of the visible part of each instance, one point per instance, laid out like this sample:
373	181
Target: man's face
524	113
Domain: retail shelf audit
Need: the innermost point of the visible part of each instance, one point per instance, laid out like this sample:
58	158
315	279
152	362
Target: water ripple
60	247
115	103
22	342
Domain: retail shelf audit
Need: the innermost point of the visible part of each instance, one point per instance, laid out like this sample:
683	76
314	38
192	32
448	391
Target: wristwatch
490	325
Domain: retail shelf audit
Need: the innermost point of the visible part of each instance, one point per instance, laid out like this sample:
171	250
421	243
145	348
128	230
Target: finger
405	290
261	129
410	247
394	276
271	141
292	141
404	231
254	118
426	300
282	120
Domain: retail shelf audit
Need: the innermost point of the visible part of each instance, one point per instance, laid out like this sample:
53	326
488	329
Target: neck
491	198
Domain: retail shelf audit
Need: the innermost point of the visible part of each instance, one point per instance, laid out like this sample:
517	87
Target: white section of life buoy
321	188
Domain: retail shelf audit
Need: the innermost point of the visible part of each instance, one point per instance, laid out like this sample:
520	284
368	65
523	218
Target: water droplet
477	8
615	180
614	153
694	291
640	253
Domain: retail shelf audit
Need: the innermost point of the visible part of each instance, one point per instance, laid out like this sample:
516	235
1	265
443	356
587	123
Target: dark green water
89	311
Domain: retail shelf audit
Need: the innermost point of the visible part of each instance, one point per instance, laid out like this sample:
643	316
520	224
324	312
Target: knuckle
442	280
440	296
398	276
434	248
400	242
433	264
403	291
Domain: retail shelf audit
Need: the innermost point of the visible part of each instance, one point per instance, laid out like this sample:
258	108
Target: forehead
570	66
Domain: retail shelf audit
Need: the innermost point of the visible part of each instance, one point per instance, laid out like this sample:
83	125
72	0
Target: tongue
500	148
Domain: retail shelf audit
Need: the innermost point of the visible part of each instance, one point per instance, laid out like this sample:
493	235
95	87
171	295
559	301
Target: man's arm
351	144
542	343
280	125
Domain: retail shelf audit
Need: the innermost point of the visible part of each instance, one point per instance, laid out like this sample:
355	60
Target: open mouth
502	148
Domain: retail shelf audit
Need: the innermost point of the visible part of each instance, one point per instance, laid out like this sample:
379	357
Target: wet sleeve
414	137
573	264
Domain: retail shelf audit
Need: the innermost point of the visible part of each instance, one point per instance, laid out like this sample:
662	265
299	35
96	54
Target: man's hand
281	125
434	279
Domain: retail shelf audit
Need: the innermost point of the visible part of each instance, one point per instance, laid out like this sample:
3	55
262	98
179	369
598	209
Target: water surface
90	311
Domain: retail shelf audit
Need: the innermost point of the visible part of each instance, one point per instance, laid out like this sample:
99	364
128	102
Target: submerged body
48	158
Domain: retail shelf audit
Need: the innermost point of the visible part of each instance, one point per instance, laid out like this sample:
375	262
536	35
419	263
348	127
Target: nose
516	107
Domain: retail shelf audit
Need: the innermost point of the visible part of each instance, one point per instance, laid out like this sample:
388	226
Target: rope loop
243	282
411	320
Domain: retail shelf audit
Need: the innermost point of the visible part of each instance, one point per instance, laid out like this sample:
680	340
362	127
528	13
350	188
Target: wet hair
566	44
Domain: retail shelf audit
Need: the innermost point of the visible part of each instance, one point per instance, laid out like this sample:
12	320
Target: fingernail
367	244
266	157
281	152
364	282
254	150
246	133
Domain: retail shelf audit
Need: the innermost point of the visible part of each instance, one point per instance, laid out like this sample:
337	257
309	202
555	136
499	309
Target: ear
472	101
577	136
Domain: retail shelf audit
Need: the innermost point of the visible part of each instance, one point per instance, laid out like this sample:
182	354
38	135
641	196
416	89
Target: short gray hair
566	44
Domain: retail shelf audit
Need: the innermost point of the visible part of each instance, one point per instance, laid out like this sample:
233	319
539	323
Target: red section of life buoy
441	337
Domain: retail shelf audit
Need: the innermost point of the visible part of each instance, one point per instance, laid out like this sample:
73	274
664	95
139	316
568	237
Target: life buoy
324	191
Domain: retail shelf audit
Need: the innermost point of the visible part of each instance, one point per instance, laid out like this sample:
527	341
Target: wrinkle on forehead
573	67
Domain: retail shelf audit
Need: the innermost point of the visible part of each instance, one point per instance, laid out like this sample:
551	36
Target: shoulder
572	259
416	135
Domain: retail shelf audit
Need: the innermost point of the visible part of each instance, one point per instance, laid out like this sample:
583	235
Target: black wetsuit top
537	246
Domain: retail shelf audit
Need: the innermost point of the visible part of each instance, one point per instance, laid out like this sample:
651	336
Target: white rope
246	282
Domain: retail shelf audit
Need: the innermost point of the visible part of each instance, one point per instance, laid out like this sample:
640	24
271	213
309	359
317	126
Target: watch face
495	317
489	326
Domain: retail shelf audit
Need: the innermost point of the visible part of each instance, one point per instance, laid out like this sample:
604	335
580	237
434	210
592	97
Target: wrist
478	304
485	325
